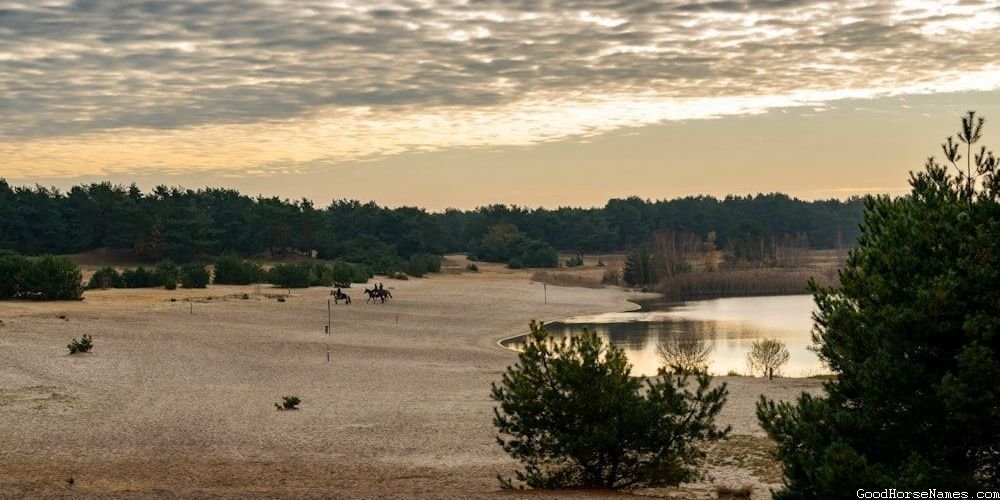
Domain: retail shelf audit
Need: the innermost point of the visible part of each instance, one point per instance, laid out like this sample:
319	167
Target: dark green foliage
574	261
232	270
195	276
305	274
166	274
139	277
346	272
40	278
10	267
638	268
182	224
294	275
105	277
472	267
288	403
913	336
505	243
421	264
572	414
84	344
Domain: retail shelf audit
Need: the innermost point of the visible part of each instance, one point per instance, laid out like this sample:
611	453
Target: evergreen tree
913	335
573	415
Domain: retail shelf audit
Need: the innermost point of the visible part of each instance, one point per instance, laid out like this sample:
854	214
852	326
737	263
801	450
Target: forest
184	225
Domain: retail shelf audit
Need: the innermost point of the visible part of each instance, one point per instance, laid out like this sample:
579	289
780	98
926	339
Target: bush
537	253
166	274
288	403
10	268
104	278
684	355
137	278
49	278
85	344
574	261
505	243
912	336
420	264
766	357
195	276
291	275
231	270
472	267
346	272
573	415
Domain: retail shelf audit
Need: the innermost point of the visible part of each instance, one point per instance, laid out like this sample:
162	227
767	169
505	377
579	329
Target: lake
728	326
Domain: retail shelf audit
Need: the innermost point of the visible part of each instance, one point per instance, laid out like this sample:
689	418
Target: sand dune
178	404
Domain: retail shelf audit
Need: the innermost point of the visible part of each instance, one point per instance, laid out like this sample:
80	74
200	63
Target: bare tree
684	356
766	357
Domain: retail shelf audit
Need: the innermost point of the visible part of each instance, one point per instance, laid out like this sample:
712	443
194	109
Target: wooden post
545	289
329	317
327	353
191	303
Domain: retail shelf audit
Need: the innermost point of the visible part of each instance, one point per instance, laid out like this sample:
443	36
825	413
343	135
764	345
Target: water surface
728	326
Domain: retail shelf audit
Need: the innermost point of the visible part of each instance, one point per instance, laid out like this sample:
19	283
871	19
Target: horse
377	294
338	296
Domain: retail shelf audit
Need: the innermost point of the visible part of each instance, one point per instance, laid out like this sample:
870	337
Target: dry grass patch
754	454
565	278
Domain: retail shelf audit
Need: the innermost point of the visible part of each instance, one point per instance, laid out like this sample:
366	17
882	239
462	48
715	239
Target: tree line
184	224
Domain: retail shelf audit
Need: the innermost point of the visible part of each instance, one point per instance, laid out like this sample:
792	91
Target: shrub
912	336
137	278
420	264
288	403
50	278
104	278
537	253
472	267
195	276
291	275
574	261
690	355
505	243
346	272
166	274
573	415
231	270
10	268
766	357
85	344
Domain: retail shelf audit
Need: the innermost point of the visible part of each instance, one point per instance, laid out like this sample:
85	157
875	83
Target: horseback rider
338	293
381	287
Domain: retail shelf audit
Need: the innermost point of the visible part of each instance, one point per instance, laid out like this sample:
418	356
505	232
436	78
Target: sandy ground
174	404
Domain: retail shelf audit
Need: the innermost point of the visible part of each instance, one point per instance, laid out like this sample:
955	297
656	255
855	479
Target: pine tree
573	415
913	335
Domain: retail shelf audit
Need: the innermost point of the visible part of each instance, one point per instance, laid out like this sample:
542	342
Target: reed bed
734	283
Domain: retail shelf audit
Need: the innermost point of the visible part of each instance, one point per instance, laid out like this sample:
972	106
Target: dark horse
338	296
377	294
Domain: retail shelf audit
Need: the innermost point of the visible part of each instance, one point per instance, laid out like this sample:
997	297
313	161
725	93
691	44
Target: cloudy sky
457	103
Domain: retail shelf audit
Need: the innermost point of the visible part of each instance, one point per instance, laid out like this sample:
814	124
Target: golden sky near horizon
455	103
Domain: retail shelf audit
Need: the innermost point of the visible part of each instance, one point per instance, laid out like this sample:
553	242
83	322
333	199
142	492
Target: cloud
77	73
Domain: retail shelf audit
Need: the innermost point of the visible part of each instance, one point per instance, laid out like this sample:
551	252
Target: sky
458	103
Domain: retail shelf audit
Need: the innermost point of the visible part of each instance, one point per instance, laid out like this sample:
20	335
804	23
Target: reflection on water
726	327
